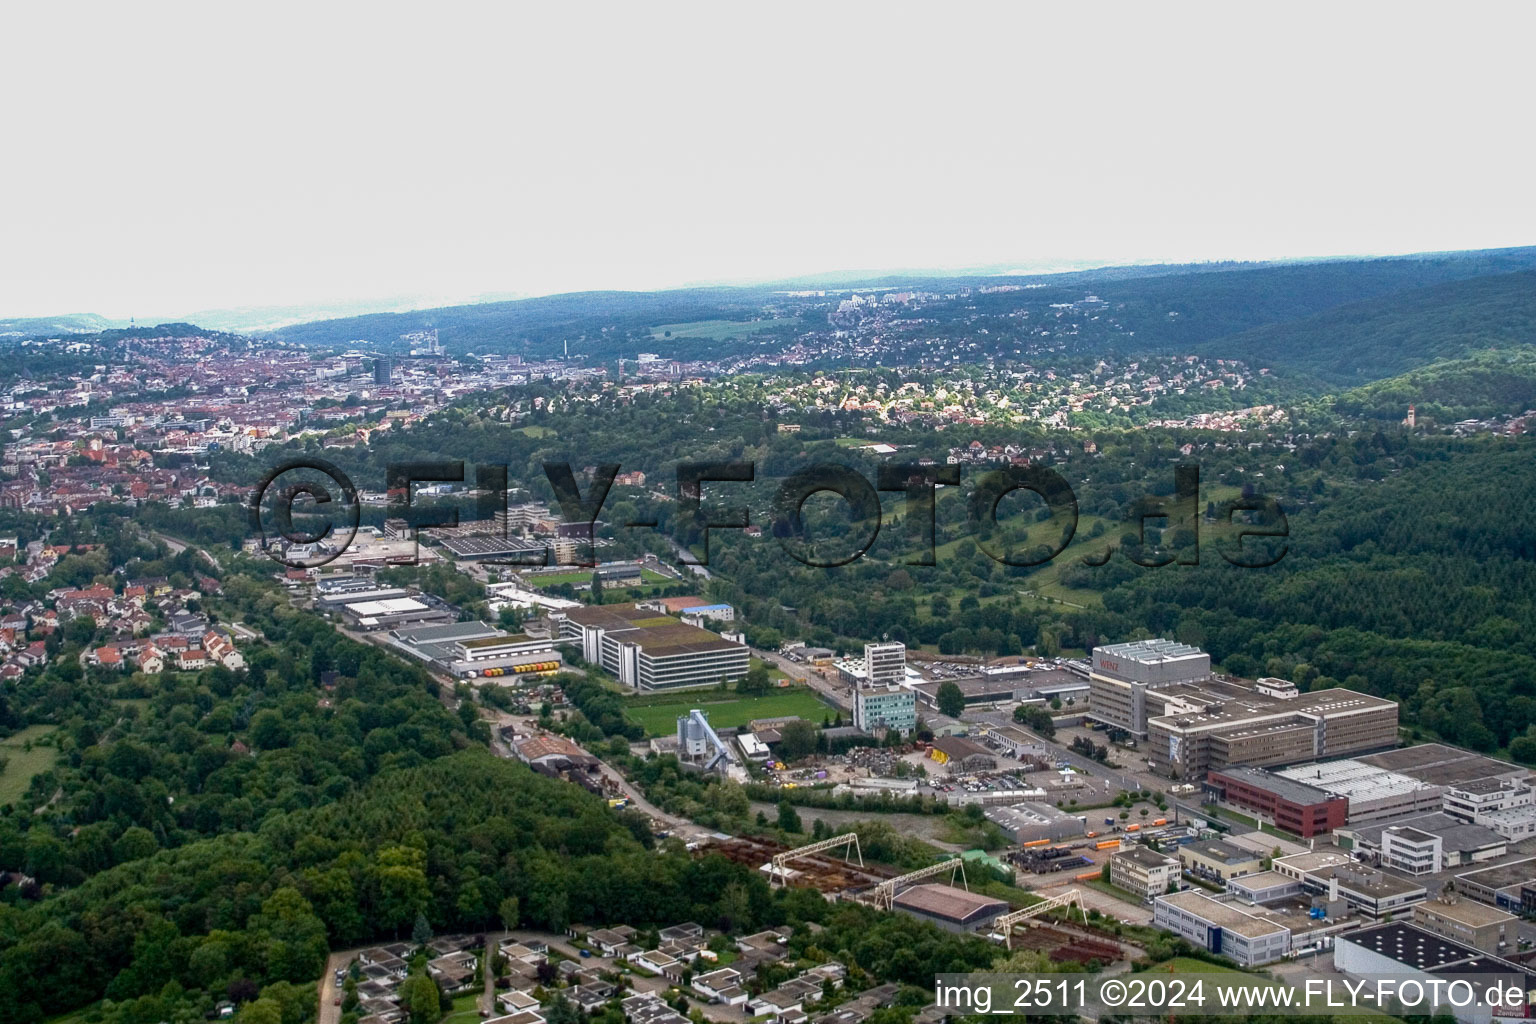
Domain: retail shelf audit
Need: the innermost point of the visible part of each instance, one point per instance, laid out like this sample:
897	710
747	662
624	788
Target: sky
162	159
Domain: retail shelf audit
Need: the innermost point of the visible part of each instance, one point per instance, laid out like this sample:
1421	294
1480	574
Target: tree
797	739
789	821
508	911
421	931
420	996
951	699
597	588
756	682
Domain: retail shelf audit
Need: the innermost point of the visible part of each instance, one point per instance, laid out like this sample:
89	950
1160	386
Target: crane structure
1003	924
781	860
884	894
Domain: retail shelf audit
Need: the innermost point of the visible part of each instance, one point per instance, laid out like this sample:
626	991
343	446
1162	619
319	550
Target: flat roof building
1458	843
651	651
1221	926
1293	806
1217	861
1121	675
1143	872
1210	726
1468	922
1374	794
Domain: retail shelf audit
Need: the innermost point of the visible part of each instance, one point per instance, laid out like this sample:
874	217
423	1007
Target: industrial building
474	650
396	612
1439	765
1031	821
1293	806
1409	952
1216	861
1333	876
952	909
1468	922
1401	844
1510	887
1197	728
1121	675
648	651
961	755
1143	871
1374	794
1244	935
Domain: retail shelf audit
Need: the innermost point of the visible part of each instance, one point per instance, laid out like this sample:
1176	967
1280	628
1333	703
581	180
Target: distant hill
1207	301
1484	384
51	326
1389	335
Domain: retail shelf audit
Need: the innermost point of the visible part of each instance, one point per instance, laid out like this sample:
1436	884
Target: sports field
658	713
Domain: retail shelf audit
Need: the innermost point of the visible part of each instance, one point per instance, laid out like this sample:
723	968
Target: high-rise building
382	369
885	664
880	701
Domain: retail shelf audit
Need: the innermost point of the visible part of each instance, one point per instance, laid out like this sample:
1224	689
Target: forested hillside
1494	383
1170	307
1382	337
1421	587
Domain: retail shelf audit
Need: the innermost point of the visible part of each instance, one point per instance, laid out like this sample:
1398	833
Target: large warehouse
649	651
951	909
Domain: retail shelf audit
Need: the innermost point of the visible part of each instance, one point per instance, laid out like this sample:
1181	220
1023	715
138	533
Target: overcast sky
161	160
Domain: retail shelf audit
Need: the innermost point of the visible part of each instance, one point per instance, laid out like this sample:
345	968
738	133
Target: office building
1293	806
382	371
1467	922
890	707
1121	675
1216	861
1245	935
1143	871
885	664
650	651
1209	726
1400	843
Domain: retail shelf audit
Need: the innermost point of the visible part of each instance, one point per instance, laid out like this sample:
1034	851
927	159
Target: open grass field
657	713
719	330
534	430
583	578
22	764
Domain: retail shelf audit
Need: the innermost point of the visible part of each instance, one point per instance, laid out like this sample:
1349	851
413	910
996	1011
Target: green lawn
719	330
22	764
658	712
534	430
583	578
465	1010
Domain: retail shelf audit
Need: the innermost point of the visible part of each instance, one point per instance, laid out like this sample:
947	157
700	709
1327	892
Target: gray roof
1455	836
1284	788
